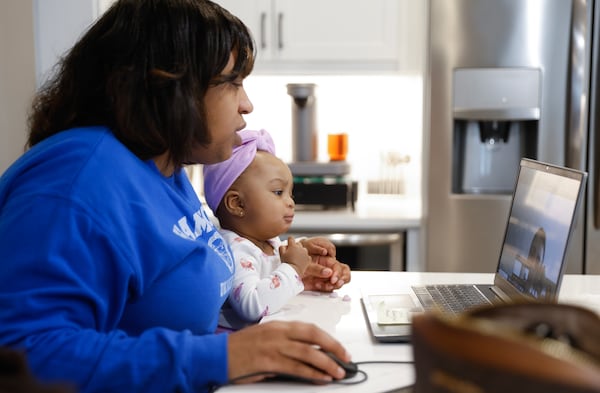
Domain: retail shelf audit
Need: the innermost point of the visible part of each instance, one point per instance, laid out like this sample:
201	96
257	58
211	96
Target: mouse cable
385	362
290	378
294	378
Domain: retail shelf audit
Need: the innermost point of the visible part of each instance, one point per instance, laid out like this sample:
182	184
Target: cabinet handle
263	32
280	30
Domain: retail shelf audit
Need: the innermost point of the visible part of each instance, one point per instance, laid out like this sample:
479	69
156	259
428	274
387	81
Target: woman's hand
325	274
319	246
284	347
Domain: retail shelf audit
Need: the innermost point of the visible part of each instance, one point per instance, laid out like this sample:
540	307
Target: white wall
17	77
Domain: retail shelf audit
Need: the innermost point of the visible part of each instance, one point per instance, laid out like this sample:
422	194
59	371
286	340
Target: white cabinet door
257	15
316	35
337	30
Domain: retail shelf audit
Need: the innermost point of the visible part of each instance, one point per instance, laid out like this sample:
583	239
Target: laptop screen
539	226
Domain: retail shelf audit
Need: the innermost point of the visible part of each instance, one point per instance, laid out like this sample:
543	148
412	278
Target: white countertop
372	214
341	315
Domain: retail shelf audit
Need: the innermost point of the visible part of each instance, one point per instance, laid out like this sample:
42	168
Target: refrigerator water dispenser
496	112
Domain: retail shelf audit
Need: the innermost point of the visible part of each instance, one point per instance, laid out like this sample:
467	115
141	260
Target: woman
112	275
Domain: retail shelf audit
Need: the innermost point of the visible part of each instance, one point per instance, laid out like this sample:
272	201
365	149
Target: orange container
337	146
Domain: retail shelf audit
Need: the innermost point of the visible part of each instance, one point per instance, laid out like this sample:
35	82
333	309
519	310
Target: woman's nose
246	106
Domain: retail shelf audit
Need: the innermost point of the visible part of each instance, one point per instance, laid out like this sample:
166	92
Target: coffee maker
317	184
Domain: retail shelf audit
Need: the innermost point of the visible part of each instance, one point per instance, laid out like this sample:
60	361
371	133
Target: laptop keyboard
449	298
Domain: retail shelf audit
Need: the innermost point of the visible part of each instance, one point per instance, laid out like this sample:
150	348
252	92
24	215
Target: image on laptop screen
532	254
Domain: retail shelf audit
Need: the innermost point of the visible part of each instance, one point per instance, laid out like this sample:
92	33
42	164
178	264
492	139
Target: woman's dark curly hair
143	70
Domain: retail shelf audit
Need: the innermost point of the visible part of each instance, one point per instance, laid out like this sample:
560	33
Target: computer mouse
350	367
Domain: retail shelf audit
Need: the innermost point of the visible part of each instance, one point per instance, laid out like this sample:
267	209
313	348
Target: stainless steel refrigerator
506	79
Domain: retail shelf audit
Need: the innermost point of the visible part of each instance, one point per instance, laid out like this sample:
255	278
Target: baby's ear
232	202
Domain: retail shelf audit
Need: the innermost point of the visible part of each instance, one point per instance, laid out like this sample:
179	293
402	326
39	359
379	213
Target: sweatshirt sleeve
260	287
61	300
160	360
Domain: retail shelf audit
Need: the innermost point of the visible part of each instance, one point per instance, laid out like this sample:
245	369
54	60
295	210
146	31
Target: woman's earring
241	213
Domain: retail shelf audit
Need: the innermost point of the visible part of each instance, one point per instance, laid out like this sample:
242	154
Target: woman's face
225	104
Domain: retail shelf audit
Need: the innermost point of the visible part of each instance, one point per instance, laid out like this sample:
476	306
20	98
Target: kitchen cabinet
333	35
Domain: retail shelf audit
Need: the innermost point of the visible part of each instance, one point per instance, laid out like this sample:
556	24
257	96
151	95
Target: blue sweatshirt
111	275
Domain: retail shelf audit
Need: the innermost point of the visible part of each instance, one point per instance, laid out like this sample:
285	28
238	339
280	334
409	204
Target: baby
251	195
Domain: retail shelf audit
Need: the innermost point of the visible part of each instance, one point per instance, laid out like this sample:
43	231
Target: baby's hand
296	255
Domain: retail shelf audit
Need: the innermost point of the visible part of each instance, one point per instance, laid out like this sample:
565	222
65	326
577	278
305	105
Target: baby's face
266	188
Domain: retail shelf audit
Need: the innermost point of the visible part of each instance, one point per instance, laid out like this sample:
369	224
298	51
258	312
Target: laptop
531	263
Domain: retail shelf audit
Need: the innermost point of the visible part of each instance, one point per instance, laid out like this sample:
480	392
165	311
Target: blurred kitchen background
382	116
377	101
366	60
439	100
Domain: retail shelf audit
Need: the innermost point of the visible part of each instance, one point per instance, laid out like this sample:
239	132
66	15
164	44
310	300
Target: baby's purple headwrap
219	177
